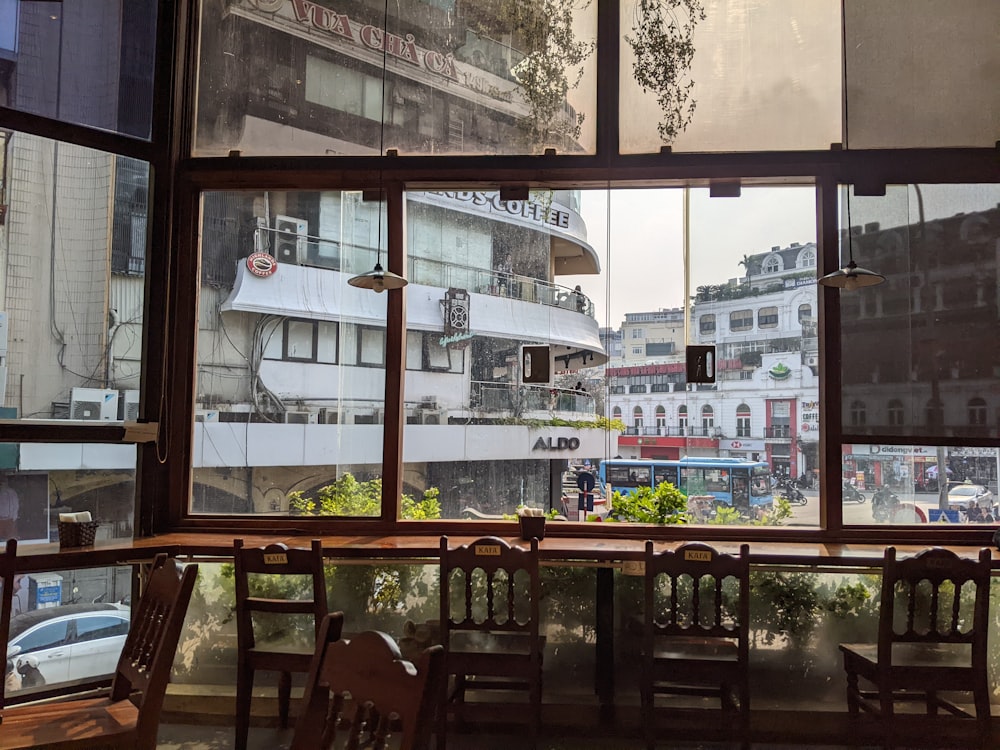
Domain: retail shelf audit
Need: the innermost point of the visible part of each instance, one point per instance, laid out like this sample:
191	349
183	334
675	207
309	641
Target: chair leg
244	694
981	696
852	693
284	698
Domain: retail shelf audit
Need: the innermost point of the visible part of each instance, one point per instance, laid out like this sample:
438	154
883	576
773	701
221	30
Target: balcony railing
778	431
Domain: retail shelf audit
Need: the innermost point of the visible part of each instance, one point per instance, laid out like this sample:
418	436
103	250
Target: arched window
806	259
895	412
977	411
637	417
661	416
707	418
616	413
859	413
805	313
743	421
682	420
772	264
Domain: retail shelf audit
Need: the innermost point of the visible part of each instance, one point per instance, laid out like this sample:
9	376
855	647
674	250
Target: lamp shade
378	280
851	277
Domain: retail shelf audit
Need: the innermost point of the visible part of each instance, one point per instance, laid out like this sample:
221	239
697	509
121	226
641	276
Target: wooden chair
130	716
932	632
696	631
284	658
6	604
365	686
490	594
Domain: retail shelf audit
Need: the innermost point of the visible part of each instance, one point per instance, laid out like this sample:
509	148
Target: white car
71	642
966	495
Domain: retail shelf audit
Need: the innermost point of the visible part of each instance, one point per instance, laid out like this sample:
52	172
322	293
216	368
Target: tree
661	41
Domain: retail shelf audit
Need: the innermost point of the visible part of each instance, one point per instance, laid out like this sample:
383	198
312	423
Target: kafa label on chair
276	558
698	555
487	550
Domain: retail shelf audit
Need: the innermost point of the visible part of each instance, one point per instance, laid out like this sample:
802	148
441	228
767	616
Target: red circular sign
805	427
262	264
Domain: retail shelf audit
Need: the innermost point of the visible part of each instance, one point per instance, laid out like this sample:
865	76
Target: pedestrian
581	300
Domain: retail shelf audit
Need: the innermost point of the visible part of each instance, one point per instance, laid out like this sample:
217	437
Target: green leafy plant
785	605
664	505
349	497
661	41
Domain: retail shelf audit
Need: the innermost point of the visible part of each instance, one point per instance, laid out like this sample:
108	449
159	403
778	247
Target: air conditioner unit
812	360
206	415
328	416
301	417
289	239
131	399
94	404
431	417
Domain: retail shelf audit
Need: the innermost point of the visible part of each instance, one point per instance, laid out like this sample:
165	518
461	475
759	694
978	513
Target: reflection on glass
919	353
727	75
39	481
907	484
74	223
499	76
921	75
291	358
80	63
66	625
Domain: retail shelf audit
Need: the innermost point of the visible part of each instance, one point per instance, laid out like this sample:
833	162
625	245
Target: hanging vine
661	41
551	66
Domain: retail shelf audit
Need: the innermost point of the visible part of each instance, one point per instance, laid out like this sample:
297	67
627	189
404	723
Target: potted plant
531	521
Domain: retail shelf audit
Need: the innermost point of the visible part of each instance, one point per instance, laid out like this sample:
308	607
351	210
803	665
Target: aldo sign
556	444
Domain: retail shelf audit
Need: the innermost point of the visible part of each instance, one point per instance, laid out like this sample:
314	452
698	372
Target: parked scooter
884	504
852	494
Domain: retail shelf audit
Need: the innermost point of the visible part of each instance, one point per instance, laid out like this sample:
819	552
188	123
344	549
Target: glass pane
727	75
73	244
291	358
481	438
921	74
293	77
80	62
920	355
52	642
40	481
917	484
724	444
480	287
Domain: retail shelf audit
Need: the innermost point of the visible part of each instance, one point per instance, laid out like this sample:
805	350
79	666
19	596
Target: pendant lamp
378	279
851	276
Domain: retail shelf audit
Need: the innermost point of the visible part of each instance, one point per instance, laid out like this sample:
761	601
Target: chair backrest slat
698	574
943	598
279	560
493	560
383	688
148	654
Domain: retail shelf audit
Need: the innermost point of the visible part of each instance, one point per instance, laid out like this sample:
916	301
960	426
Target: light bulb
851	282
378	284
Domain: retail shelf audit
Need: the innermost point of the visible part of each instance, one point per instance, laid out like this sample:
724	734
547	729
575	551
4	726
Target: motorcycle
852	494
884	504
792	494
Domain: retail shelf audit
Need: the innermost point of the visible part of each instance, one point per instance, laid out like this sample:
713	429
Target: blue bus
738	483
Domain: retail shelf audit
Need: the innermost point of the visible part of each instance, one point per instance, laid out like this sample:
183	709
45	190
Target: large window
218	287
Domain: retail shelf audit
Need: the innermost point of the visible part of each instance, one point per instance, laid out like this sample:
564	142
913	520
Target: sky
644	230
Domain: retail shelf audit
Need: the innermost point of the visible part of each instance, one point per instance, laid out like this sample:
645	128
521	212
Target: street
855	513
